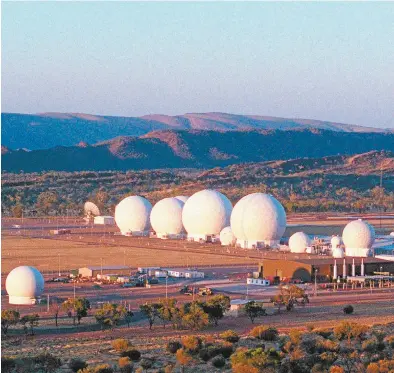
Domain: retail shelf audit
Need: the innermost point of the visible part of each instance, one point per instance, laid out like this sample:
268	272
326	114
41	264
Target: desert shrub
7	364
191	343
102	368
336	369
120	344
173	346
327	345
47	362
229	336
204	354
295	336
390	340
169	368
349	330
125	365
370	345
132	354
183	358
264	333
226	349
348	309
146	363
77	364
323	332
310	327
218	361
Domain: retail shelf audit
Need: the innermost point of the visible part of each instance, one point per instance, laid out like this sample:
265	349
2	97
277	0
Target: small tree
216	307
254	310
77	364
348	309
165	310
195	318
31	320
110	315
290	295
128	317
229	336
183	359
76	308
120	344
8	318
17	211
47	362
150	312
55	308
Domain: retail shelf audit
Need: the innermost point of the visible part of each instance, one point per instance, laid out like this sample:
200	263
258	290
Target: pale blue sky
330	61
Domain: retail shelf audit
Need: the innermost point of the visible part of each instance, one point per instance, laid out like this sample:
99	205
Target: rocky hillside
197	149
43	131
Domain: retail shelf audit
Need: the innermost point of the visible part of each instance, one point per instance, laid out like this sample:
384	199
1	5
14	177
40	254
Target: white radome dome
258	217
392	234
227	237
166	216
335	242
23	284
358	234
298	242
338	252
182	198
206	212
132	214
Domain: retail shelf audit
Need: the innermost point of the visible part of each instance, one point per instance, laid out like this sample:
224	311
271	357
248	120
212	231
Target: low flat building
93	271
104	220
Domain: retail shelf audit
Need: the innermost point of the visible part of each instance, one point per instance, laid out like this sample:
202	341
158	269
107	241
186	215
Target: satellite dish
91	209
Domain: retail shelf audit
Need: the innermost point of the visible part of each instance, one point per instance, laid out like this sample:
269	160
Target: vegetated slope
196	149
43	131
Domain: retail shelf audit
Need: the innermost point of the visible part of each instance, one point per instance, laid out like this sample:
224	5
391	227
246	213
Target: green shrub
226	349
218	361
77	364
209	352
264	333
146	363
120	344
125	365
348	309
191	343
132	354
390	340
323	332
229	336
173	346
370	345
48	362
7	364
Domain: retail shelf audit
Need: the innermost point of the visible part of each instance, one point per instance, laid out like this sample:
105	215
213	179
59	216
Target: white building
258	281
104	220
132	216
24	285
185	273
258	220
205	214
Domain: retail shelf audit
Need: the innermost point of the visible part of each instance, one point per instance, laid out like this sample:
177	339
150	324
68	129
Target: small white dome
206	212
166	216
23	284
182	198
132	214
338	252
227	237
358	234
335	242
258	217
298	242
392	234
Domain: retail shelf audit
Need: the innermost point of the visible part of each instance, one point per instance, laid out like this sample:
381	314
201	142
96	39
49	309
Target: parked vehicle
205	291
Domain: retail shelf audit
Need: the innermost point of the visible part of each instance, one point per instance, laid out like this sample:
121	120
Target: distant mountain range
47	130
196	149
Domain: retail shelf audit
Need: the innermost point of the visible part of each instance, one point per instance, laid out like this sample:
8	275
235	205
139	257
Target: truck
187	290
205	291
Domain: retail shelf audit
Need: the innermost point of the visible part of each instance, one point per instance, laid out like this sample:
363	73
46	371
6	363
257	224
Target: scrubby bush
370	345
47	362
348	309
146	363
120	344
102	368
218	361
173	346
7	364
191	343
323	332
226	349
310	327
132	354
390	340
349	330
229	336
264	333
125	365
76	364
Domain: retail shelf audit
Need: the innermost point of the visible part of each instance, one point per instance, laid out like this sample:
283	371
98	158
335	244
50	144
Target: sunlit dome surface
338	252
226	236
206	212
182	198
358	234
335	241
258	217
298	242
23	284
132	214
166	216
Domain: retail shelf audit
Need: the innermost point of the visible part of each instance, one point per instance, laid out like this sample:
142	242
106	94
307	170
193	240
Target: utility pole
381	195
74	289
58	257
101	270
166	287
315	282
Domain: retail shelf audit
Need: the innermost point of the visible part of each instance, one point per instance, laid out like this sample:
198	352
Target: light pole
101	268
58	257
166	287
315	282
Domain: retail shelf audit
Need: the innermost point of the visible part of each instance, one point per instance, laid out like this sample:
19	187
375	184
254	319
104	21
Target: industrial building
325	268
93	271
104	220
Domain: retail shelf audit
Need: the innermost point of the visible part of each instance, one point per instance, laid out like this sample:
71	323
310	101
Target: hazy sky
331	61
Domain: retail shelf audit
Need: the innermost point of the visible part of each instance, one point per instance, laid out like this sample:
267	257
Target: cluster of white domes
182	198
132	214
258	218
298	242
24	284
358	238
166	217
206	212
227	237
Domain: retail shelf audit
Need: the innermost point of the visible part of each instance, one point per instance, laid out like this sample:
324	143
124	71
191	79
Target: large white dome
358	234
132	214
206	212
298	242
23	284
258	217
182	198
166	216
227	237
